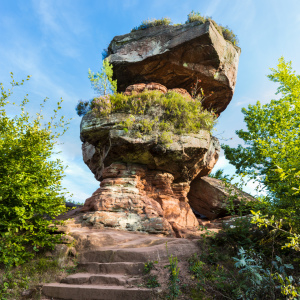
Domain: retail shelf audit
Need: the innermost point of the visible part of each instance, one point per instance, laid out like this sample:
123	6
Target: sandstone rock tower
144	184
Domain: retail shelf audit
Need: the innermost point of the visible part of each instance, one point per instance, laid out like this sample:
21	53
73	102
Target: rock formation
144	182
210	196
176	56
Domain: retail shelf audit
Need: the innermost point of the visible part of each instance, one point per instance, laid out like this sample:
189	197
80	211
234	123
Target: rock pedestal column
134	198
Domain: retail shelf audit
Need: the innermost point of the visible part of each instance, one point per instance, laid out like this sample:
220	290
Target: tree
272	145
102	83
30	181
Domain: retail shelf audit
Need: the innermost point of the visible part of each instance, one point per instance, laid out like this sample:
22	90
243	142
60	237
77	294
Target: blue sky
57	41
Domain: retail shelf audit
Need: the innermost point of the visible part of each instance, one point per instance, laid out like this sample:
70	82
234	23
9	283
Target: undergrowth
173	286
242	262
32	275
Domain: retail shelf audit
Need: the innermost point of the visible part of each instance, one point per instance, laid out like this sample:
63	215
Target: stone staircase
115	271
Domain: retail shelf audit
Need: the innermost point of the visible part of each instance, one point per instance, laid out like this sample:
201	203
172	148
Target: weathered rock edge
144	184
210	197
176	56
132	197
105	142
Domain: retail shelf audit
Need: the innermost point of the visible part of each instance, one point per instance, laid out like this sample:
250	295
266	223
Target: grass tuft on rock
165	114
191	18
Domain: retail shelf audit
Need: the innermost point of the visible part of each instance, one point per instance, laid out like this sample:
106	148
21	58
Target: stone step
95	292
128	268
103	279
125	255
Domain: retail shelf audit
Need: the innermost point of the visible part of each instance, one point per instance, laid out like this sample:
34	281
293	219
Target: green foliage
241	232
196	17
103	84
261	282
192	17
224	31
152	23
149	266
277	226
102	81
31	192
166	138
229	35
173	286
252	275
213	278
31	275
272	144
219	174
152	282
170	112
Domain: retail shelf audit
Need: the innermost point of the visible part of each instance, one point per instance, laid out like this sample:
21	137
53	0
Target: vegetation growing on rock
165	114
192	17
152	23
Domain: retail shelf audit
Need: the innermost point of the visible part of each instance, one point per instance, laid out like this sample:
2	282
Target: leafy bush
103	84
213	279
30	181
83	107
272	144
152	282
262	282
152	23
149	266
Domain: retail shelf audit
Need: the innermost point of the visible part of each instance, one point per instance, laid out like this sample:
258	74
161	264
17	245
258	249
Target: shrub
169	113
83	107
224	31
152	23
149	266
102	81
152	282
230	36
262	282
32	275
30	181
196	17
271	144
